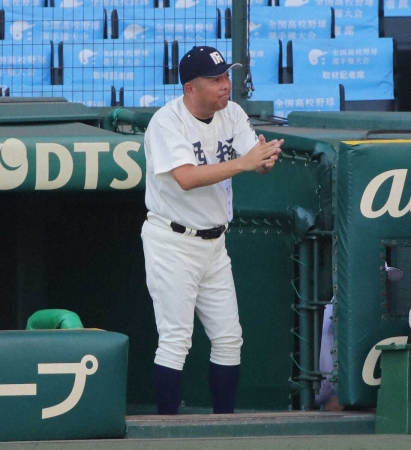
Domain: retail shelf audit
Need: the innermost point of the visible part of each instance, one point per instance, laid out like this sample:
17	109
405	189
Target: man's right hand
263	155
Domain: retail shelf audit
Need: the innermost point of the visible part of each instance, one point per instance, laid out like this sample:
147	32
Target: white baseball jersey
175	137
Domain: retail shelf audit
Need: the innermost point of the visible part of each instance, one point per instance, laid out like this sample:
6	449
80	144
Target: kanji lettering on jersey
225	150
199	153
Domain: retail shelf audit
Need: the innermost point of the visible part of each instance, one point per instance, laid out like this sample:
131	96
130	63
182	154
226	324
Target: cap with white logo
203	62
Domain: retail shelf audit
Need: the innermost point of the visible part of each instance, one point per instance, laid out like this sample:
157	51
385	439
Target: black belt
211	233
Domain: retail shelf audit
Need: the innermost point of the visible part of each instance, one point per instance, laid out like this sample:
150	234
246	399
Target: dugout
296	240
367	201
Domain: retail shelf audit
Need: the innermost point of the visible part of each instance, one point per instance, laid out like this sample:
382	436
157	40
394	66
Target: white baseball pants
187	275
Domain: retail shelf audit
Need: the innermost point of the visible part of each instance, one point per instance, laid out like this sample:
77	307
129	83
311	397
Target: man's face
212	93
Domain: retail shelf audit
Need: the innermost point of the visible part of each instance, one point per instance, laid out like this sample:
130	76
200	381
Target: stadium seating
364	67
96	46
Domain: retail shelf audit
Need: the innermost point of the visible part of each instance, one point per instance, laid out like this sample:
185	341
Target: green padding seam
51	319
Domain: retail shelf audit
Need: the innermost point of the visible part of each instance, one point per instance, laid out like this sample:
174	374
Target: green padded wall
62	384
372	224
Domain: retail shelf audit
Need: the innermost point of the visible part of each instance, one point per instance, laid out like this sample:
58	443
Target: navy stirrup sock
223	384
167	387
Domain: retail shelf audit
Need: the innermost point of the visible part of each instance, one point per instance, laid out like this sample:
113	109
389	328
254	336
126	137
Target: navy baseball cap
203	62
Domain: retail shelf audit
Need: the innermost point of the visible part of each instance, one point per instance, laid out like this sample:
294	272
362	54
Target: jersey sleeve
166	144
244	135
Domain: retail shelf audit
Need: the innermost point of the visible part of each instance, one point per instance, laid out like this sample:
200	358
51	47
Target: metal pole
306	393
316	313
239	48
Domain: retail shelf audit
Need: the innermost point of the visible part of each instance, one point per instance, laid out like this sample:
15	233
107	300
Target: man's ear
188	87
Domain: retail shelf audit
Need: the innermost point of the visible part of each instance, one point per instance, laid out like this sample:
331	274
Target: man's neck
196	112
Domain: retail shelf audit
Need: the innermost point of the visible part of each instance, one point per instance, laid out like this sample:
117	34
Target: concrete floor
339	442
245	431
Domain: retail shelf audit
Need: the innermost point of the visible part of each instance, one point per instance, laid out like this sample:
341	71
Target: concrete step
250	424
310	430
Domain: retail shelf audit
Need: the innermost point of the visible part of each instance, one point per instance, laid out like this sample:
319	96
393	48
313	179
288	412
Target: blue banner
352	19
281	23
198	5
364	67
24	64
300	97
185	25
265	60
72	25
397	8
153	95
22	26
105	62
